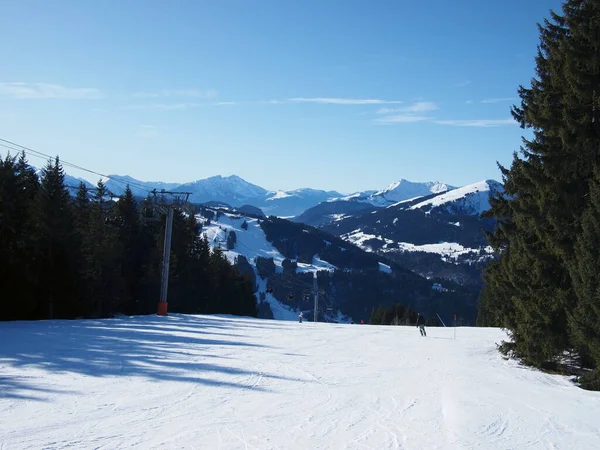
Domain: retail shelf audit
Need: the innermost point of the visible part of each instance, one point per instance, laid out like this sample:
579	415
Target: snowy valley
282	258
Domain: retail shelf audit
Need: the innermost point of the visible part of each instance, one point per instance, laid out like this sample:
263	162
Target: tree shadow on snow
227	322
21	388
174	348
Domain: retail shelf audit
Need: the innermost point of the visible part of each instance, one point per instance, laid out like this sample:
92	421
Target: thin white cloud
146	95
421	107
272	102
146	131
482	123
210	93
401	118
498	100
343	101
418	112
387	110
468	102
167	93
47	91
162	107
417	107
463	83
225	103
408	114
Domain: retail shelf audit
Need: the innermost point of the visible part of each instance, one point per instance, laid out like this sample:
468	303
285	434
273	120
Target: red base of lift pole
162	309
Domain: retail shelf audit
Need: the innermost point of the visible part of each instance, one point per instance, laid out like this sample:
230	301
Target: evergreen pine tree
184	270
530	289
100	246
81	214
231	240
202	260
246	304
82	207
132	251
19	187
151	233
54	235
585	318
377	316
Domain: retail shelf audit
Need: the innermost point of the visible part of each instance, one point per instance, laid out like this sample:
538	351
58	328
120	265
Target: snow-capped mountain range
470	200
438	235
397	192
236	192
231	190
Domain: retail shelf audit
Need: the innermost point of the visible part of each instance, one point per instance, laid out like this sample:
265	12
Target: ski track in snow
219	382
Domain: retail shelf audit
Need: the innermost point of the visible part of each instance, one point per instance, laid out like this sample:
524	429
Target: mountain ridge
236	191
399	191
440	235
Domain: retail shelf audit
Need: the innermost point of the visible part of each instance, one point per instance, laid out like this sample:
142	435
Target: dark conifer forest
88	255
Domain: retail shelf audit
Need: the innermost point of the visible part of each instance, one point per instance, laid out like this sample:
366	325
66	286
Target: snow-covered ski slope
251	242
207	382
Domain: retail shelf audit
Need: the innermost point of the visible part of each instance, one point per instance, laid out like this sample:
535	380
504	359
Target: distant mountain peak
232	177
433	187
404	190
472	199
279	195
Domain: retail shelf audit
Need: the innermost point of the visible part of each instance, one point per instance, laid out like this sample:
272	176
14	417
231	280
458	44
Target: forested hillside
360	282
89	256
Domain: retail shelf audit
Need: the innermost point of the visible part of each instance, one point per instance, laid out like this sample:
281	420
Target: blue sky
346	95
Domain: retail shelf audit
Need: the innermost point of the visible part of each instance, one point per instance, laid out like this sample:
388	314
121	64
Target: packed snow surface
212	382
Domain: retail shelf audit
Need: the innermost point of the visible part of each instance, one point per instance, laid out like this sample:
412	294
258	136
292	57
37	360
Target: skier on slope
300	317
421	324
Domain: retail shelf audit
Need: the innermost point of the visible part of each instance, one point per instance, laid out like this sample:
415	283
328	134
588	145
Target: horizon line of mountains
236	192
